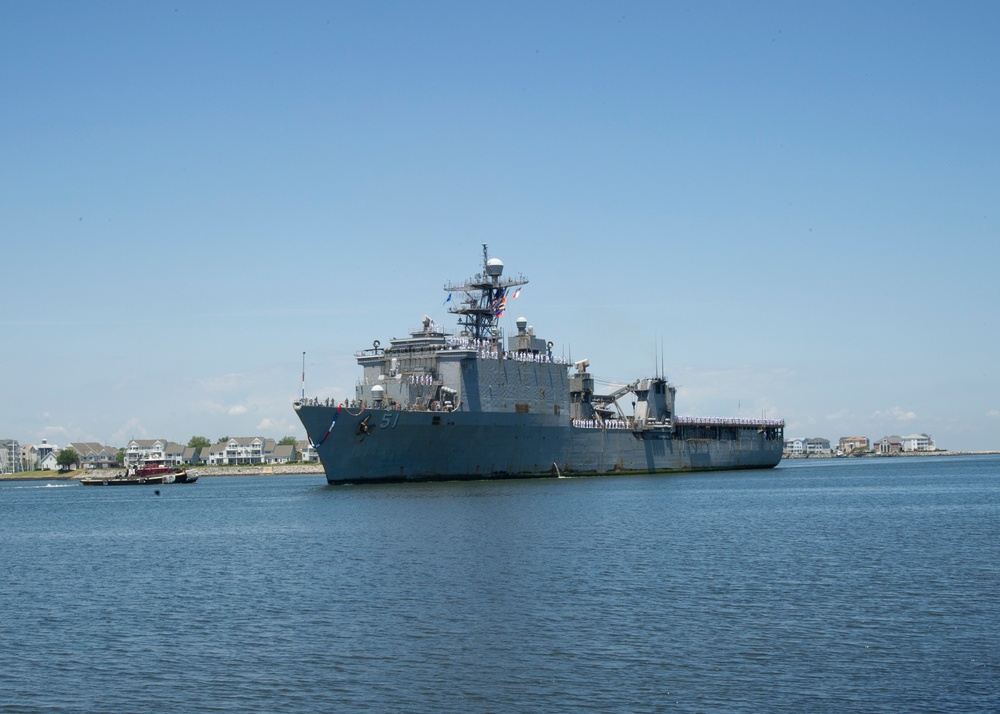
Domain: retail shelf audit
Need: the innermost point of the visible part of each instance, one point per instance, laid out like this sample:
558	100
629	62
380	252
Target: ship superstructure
473	403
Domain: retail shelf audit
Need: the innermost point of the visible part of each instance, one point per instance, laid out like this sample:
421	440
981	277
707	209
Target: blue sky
792	206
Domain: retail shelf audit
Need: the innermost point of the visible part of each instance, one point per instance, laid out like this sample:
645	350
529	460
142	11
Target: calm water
822	586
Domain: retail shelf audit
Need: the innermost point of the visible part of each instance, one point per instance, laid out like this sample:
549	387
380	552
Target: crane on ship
602	402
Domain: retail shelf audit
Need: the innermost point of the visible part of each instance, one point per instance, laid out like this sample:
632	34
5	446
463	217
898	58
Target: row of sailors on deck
528	357
606	424
330	402
537	357
465	343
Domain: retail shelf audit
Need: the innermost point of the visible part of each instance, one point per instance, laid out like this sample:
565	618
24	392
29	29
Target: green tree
198	442
67	458
288	440
120	457
222	439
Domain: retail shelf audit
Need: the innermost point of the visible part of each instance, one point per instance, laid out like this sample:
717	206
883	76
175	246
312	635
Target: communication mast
484	299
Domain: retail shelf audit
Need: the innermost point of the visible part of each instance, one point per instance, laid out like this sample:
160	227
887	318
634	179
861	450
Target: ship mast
484	298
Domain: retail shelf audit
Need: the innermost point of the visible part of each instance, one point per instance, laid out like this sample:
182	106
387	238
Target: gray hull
375	445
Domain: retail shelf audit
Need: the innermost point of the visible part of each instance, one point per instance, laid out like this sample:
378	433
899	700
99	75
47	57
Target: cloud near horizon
897	413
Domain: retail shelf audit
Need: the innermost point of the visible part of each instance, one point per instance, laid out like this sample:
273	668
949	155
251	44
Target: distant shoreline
297	469
262	470
904	454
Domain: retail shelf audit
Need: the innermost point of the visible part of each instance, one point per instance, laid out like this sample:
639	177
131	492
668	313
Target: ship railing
678	421
370	352
727	421
431	329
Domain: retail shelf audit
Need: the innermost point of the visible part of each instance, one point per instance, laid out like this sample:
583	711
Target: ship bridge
473	370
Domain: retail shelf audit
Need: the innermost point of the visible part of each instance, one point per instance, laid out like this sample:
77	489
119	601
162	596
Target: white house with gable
139	451
241	450
918	442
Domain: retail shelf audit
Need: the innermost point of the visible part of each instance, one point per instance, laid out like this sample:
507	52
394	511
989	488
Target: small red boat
149	473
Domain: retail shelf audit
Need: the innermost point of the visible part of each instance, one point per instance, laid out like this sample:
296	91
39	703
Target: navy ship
473	403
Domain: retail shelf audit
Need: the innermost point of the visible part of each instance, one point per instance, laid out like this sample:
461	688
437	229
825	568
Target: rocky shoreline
902	454
278	469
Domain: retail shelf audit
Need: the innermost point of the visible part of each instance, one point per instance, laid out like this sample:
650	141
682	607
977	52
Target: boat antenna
303	375
663	369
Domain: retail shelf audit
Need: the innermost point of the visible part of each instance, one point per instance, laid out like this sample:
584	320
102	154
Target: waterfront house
817	445
10	456
191	456
93	455
306	451
241	450
49	462
805	447
795	447
139	451
852	444
32	454
283	454
173	454
918	442
888	445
